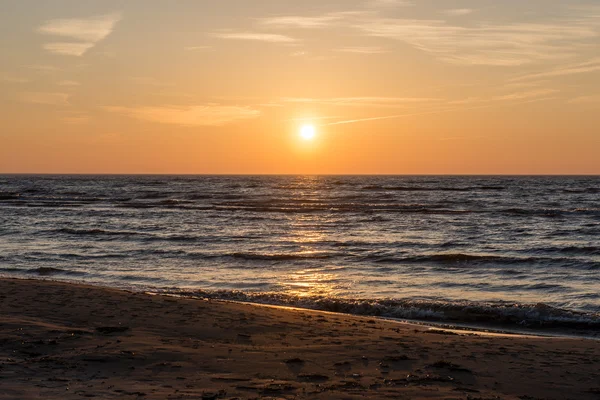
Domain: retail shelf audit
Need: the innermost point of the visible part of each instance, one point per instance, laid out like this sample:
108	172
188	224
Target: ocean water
491	251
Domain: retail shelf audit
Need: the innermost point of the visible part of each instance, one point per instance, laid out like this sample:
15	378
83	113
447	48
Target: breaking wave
47	271
493	314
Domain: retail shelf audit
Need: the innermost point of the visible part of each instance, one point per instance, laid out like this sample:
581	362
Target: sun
308	132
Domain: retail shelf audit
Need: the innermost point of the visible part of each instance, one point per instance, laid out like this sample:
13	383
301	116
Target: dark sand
66	341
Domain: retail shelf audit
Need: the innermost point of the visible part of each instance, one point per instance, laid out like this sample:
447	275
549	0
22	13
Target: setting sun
308	132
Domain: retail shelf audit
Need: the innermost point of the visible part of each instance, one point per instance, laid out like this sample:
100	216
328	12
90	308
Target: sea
497	252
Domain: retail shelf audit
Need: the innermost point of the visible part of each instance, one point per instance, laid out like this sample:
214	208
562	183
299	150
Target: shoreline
66	340
431	325
485	328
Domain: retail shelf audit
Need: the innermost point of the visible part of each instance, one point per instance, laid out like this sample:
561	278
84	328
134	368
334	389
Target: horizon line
291	174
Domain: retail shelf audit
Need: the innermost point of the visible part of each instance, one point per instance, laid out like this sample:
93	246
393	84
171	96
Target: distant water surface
521	251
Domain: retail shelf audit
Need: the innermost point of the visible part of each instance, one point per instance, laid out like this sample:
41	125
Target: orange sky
391	87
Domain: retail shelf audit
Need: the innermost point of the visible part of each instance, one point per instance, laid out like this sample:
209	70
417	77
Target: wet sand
68	341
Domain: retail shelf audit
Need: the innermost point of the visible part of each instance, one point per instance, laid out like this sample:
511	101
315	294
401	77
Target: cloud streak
84	33
340	18
486	44
68	49
592	65
14	79
46	98
457	12
68	83
202	115
389	3
195	48
255	36
383	102
353	121
477	43
302	22
473	104
530	94
362	50
592	99
76	119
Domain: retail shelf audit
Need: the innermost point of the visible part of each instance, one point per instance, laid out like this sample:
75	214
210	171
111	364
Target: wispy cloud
570	69
13	79
149	81
478	43
68	49
45	69
353	121
76	119
270	105
46	98
592	99
302	21
196	48
498	101
68	83
389	102
362	50
457	12
310	119
339	18
530	94
255	36
457	138
527	84
507	97
389	3
93	29
85	33
486	44
203	115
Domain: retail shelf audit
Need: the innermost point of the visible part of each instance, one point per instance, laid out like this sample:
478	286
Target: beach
73	341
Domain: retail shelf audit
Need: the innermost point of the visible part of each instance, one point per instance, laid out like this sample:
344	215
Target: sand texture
67	341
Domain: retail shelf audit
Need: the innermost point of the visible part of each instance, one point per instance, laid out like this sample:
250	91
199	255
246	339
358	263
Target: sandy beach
68	341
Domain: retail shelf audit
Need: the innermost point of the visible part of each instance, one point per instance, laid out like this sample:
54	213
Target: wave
505	314
573	250
168	203
45	271
432	189
280	256
198	196
346	251
463	258
591	190
138	205
9	196
177	254
315	206
550	212
145	236
151	195
93	232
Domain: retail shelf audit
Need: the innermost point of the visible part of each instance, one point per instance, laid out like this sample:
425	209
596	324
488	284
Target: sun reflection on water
307	230
308	282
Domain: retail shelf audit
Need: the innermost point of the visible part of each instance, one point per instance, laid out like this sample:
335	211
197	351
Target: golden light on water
308	282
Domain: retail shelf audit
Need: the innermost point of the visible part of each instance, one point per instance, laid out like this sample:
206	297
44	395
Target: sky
227	86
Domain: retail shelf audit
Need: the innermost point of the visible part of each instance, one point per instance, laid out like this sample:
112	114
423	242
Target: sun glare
308	132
